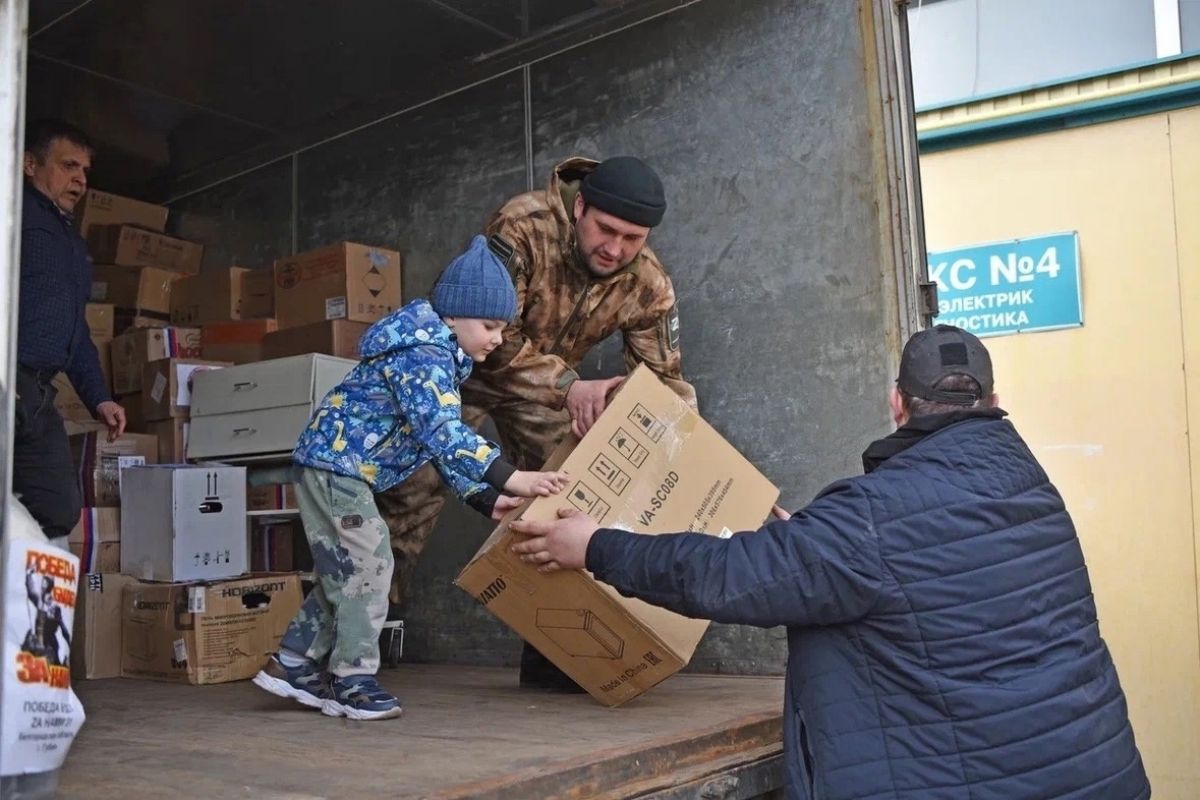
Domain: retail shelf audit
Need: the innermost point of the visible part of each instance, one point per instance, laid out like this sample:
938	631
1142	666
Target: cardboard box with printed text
205	633
212	296
342	281
650	464
184	523
101	464
131	246
106	208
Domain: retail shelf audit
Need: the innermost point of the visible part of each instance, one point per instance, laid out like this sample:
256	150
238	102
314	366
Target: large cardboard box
136	292
342	281
105	208
96	539
258	294
131	246
167	386
203	634
100	322
172	435
135	348
651	465
184	523
337	337
96	642
213	296
102	465
238	341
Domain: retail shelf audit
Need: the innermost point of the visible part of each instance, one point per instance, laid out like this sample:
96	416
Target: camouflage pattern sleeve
517	364
654	339
432	408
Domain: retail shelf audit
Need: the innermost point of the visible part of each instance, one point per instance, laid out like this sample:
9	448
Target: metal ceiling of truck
168	88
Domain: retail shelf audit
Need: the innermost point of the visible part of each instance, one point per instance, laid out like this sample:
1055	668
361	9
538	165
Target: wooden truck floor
466	732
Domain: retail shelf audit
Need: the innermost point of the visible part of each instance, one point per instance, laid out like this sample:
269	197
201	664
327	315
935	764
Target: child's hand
536	484
505	504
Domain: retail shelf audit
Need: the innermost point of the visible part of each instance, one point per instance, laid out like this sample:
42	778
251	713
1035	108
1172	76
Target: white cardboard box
258	411
184	523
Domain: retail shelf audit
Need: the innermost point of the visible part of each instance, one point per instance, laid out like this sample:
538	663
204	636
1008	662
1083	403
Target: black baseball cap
931	355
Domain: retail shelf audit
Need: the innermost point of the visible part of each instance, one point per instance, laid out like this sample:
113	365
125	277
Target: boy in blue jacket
394	412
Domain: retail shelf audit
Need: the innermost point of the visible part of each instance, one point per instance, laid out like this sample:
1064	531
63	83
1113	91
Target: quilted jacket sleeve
821	567
427	392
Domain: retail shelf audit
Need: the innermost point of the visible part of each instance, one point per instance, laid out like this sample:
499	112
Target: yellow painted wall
1106	407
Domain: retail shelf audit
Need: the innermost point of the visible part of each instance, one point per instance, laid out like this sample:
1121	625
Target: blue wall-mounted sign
1017	286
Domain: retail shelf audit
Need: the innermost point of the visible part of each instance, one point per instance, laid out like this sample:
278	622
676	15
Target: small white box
184	523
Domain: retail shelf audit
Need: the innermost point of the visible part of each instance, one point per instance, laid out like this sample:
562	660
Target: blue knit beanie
475	284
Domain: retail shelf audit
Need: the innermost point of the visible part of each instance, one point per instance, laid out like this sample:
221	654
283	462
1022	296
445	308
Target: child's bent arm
429	400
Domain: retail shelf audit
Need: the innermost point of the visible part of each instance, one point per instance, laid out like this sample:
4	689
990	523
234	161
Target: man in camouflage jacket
582	272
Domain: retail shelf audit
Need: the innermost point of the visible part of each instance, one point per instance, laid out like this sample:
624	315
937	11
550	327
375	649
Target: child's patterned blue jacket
400	408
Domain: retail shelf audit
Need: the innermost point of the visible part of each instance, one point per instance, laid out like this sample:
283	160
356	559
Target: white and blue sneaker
360	697
307	684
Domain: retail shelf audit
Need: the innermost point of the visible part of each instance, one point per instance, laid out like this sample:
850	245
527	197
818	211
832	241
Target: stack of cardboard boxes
179	603
136	263
179	585
326	299
192	614
232	320
100	465
321	301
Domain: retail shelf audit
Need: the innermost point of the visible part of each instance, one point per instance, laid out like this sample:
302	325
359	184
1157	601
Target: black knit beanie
626	187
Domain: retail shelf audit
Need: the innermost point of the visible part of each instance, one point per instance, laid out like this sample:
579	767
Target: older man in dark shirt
56	281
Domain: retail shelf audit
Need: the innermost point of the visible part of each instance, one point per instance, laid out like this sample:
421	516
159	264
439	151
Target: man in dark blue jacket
942	636
52	337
